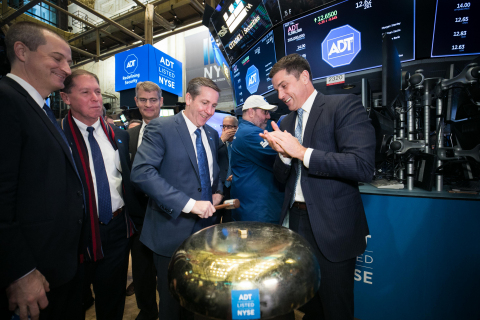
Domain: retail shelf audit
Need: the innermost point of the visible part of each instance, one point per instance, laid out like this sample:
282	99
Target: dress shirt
30	90
110	156
191	130
307	108
140	134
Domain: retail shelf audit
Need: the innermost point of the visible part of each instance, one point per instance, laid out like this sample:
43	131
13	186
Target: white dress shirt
110	156
140	134
307	108
191	129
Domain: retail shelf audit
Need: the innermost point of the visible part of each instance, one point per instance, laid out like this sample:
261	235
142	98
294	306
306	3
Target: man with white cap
260	194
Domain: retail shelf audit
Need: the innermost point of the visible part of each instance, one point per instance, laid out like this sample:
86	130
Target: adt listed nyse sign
148	63
341	46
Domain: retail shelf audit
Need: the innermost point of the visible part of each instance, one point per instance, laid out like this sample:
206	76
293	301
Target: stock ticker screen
239	24
456	27
250	72
347	37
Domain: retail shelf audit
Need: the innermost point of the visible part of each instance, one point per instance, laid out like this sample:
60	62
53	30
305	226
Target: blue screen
250	72
347	37
216	121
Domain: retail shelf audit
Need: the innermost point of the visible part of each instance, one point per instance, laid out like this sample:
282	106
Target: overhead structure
144	22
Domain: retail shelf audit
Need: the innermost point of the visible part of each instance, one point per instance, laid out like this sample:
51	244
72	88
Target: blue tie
298	135
54	121
229	171
103	188
203	168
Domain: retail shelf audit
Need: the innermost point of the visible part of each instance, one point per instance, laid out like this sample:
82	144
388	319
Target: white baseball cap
256	101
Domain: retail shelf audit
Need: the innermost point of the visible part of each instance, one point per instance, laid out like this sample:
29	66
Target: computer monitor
391	75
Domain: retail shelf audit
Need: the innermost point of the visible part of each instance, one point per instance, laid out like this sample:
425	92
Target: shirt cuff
306	157
287	161
189	206
26	274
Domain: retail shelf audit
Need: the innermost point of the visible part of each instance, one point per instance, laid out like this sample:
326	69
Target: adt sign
252	79
341	46
131	63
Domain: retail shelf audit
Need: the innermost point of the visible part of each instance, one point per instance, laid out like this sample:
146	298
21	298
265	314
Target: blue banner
148	63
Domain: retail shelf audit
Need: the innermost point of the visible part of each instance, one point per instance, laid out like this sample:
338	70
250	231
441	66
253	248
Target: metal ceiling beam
18	12
158	18
197	6
116	24
85	53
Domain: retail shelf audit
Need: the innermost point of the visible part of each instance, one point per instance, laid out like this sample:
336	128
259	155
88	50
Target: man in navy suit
41	198
102	158
176	166
327	148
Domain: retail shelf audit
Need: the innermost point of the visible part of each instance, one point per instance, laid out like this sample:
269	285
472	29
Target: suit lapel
187	141
315	113
43	117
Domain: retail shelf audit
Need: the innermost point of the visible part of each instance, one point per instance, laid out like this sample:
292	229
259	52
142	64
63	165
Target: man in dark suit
148	97
41	197
328	148
229	127
102	158
176	166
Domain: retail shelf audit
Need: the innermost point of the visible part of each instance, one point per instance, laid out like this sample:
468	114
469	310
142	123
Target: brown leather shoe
130	290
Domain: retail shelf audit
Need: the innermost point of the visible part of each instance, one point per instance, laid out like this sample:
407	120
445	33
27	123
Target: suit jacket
137	217
222	160
166	169
41	197
343	139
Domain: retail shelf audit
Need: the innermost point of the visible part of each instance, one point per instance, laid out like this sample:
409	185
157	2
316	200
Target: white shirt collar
307	106
28	87
191	127
83	127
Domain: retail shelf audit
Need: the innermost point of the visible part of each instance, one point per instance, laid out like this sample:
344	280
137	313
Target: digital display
250	72
216	121
347	37
456	28
239	24
291	8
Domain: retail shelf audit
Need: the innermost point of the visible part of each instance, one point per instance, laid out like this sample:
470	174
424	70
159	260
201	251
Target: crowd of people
77	196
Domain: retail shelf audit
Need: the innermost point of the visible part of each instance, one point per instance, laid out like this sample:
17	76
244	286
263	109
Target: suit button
79	193
199	189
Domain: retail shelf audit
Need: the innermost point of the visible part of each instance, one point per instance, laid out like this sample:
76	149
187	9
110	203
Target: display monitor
456	28
347	36
217	120
391	75
250	72
239	24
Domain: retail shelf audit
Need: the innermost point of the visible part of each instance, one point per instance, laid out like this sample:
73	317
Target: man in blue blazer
176	166
327	148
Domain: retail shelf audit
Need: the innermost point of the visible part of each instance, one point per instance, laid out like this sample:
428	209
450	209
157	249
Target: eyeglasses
228	127
143	100
265	112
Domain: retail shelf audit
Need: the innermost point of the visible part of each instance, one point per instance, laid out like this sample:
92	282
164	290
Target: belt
114	214
300	205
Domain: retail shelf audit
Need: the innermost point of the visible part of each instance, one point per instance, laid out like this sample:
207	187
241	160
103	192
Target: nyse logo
131	63
252	79
341	46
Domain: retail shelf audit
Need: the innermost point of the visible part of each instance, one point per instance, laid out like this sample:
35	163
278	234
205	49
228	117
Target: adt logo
131	63
341	46
252	79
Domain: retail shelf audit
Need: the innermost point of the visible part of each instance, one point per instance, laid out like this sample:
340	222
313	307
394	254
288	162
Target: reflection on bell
248	267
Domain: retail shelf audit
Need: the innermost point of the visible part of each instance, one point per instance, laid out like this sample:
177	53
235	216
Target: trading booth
415	65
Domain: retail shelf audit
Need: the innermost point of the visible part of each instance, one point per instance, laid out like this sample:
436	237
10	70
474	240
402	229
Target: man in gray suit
176	166
328	146
149	100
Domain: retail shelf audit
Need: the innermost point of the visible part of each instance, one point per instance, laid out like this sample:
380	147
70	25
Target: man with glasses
252	159
229	127
149	100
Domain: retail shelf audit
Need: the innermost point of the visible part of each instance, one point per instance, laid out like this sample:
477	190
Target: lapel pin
119	140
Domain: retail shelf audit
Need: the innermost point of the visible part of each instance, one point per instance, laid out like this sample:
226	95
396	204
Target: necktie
203	168
298	135
54	121
229	171
103	188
